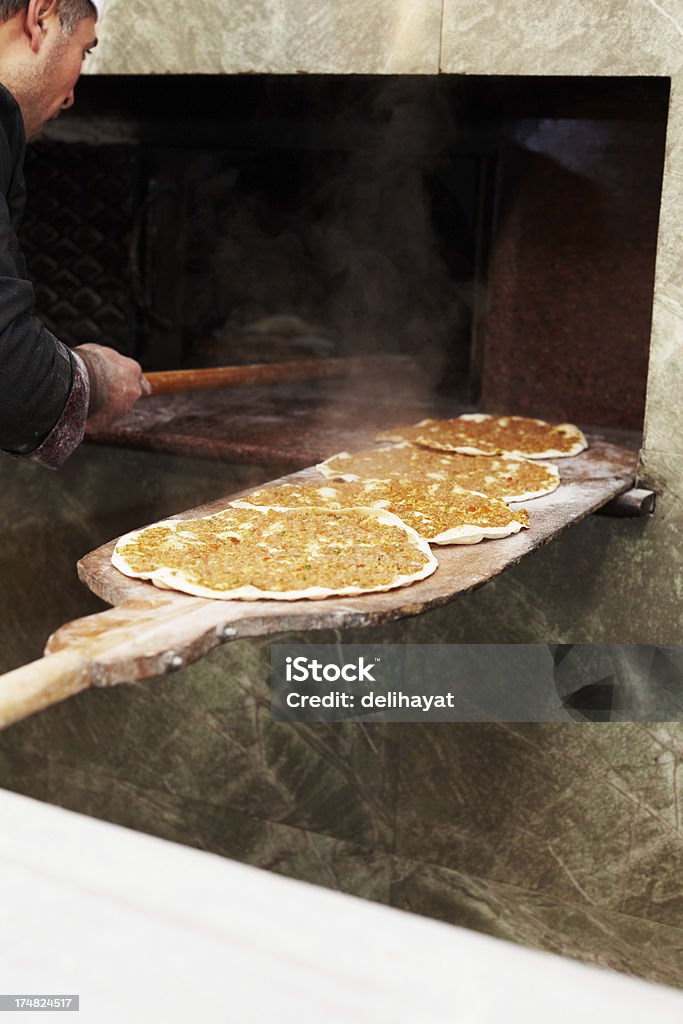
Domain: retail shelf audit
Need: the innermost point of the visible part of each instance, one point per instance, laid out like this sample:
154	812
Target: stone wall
562	837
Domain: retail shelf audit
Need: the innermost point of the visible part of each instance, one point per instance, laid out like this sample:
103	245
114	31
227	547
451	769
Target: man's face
49	87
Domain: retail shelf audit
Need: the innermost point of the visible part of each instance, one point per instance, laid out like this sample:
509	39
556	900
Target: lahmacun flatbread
481	434
506	477
304	553
438	510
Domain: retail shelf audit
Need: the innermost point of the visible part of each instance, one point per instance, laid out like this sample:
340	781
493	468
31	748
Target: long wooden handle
166	382
133	641
38	685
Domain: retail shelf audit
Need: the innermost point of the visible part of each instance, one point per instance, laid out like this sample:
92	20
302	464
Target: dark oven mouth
501	232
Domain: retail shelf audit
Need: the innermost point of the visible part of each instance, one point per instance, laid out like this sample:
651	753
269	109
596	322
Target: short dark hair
70	11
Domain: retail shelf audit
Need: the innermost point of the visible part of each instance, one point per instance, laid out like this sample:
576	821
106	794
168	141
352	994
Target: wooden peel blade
167	382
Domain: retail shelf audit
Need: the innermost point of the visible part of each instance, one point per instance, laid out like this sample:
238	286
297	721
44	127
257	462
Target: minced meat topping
277	551
504	478
491	435
430	507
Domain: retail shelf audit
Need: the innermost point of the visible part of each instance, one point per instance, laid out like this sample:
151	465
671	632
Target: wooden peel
166	382
151	632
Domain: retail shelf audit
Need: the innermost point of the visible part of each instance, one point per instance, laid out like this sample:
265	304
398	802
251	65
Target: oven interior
500	231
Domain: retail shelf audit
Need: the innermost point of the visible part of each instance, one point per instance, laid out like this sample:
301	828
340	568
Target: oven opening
500	231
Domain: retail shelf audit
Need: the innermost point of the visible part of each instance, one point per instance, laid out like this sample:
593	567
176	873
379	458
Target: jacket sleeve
43	387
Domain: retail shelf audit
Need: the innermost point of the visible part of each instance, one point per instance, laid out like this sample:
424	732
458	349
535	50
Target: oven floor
293	425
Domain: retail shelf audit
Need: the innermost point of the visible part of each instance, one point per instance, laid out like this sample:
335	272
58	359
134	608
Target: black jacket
36	370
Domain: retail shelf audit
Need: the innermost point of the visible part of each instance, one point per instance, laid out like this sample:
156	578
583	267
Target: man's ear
36	20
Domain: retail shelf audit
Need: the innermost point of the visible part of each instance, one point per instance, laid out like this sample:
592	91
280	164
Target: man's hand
116	383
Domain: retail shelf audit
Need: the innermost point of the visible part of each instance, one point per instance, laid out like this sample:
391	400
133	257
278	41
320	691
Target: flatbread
480	434
437	510
505	477
305	553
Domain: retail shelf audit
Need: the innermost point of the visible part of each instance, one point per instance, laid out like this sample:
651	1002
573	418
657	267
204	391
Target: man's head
43	44
70	11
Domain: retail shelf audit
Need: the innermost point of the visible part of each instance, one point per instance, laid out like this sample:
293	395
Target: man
49	396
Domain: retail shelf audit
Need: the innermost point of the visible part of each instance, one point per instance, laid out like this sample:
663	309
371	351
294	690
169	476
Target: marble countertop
146	930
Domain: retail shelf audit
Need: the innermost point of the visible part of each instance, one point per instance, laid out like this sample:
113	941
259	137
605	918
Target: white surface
145	930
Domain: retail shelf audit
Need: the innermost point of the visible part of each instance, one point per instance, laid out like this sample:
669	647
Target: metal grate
76	237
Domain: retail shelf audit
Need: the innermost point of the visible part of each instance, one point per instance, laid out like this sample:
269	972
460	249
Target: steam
351	262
